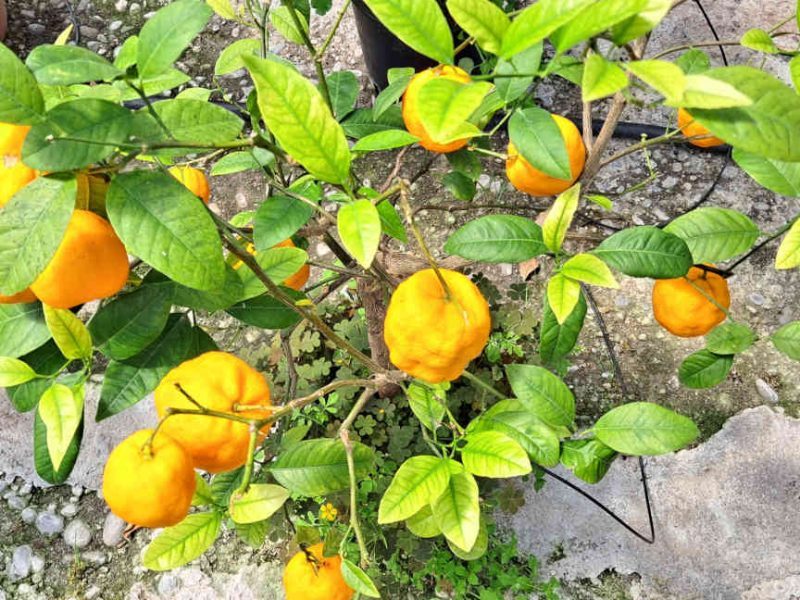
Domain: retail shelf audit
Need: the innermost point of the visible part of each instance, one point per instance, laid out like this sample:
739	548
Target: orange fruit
316	579
194	179
149	487
23	297
299	279
529	180
13	179
91	263
683	310
433	337
412	108
11	139
221	382
690	128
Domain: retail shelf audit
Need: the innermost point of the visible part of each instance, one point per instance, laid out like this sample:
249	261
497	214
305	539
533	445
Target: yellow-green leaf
559	218
789	251
563	294
69	333
61	411
589	269
14	372
601	78
259	502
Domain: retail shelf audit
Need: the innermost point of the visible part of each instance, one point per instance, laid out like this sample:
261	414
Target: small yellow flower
328	512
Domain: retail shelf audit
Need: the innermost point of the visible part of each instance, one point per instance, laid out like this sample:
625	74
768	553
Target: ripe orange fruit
683	310
11	139
433	337
299	279
13	179
91	263
530	180
221	382
317	579
412	108
149	487
691	128
23	297
194	179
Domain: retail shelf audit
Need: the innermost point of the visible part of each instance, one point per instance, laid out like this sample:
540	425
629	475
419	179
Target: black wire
713	30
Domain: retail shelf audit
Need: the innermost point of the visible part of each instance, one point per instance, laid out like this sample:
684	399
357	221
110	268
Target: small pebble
766	392
21	558
37	564
168	584
49	523
77	534
69	510
28	515
756	299
16	502
112	530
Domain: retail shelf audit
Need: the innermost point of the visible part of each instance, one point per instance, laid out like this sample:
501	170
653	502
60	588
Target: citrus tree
97	168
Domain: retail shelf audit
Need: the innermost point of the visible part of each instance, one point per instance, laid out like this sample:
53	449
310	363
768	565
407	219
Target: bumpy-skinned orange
23	297
149	486
412	108
317	578
13	178
432	336
12	137
685	311
217	381
91	263
528	179
194	179
691	128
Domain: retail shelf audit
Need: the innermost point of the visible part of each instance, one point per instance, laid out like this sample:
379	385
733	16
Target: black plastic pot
383	51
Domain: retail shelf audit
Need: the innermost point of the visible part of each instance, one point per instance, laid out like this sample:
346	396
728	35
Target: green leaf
478	549
197	121
69	333
556	340
589	269
646	252
644	22
319	467
788	256
358	580
494	454
164	224
423	524
559	217
256	159
769	127
593	20
420	480
457	511
230	59
167	34
704	369
363	121
47	361
359	226
223	485
425	405
32	226
21	101
65	65
601	78
277	219
277	263
497	239
714	234
645	429
693	61
538	139
178	545
588	459
568	67
259	502
759	40
231	292
14	372
449	105
461	186
420	24
297	115
465	162
61	411
481	19
41	453
667	78
563	294
391	224
202	491
549	397
702	91
384	140
22	329
537	22
343	87
98	124
794	70
391	94
266	312
730	338
780	177
282	20
253	534
787	340
128	324
127	382
525	64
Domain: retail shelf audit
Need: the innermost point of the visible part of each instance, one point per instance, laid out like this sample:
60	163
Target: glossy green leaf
563	295
391	224
419	481
788	256
22	329
21	101
385	140
277	219
32	226
14	372
457	511
256	159
423	524
759	40
589	269
461	186
391	93
693	61
646	252
667	78
178	545
425	405
549	398
41	453
481	19
259	502
537	22
164	224
47	361
643	428
704	369
497	239
559	218
358	580
69	333
277	263
202	491
645	21
787	340
537	137
556	340
588	459
494	454
363	121
714	234
420	24
595	19
359	226
794	71
197	121
266	312
282	20
343	87
775	175
61	411
230	59
65	65
318	467
601	78
524	64
702	91
730	338
231	291
297	115
448	106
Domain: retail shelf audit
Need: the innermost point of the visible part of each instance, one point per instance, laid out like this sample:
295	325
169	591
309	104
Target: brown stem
603	138
373	298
